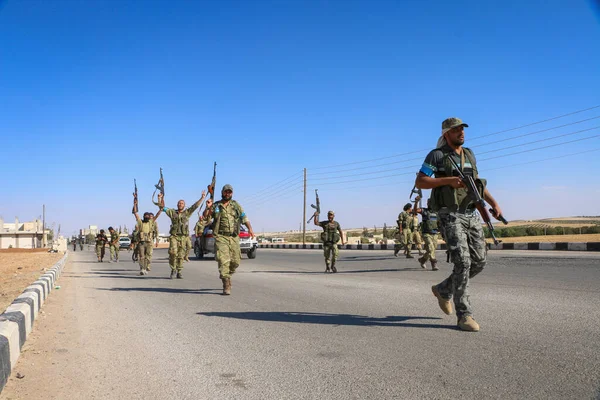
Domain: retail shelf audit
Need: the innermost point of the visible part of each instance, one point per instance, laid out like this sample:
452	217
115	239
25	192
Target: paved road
289	331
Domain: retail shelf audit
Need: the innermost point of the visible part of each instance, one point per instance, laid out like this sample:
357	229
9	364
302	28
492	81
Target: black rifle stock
317	207
135	198
478	200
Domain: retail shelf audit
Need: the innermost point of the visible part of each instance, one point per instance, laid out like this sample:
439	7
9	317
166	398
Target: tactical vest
100	239
430	222
237	215
414	225
146	231
448	197
330	233
180	224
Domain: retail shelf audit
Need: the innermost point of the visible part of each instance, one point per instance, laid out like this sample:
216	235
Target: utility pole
304	213
44	226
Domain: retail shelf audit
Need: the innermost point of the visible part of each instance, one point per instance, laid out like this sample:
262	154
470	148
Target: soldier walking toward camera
228	215
332	233
81	244
147	232
417	239
404	236
113	244
457	218
135	241
429	226
180	233
74	243
101	241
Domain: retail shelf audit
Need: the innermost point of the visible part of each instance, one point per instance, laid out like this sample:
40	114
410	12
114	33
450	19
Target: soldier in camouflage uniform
135	241
457	217
113	245
180	233
417	239
332	233
403	233
101	240
147	233
429	227
228	215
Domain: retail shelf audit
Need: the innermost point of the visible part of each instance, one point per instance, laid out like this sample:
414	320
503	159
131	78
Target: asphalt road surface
289	331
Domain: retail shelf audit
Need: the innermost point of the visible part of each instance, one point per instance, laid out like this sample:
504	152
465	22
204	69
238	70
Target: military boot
172	274
434	266
444	304
468	324
327	268
226	286
408	255
333	268
396	252
179	276
422	262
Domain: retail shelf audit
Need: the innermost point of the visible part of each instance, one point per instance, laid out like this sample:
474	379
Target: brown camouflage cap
227	187
452	122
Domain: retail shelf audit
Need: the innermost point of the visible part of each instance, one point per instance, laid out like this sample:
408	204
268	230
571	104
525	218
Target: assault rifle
317	207
160	186
471	185
211	187
135	198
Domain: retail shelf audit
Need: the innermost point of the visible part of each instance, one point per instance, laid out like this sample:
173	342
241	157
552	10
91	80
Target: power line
276	187
540	140
471	139
540	148
543	159
257	193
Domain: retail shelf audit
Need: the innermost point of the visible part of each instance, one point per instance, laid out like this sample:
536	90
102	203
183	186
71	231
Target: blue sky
96	93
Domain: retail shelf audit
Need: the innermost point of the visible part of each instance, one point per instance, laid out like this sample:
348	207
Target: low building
22	235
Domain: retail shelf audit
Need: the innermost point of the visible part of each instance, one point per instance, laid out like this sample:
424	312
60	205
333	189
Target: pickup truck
206	243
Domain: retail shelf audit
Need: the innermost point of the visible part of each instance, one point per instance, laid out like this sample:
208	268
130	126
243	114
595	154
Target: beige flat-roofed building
21	235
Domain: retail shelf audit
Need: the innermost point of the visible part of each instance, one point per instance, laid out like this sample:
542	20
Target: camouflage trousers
468	251
145	255
228	255
430	246
403	241
417	239
331	253
114	252
177	247
100	251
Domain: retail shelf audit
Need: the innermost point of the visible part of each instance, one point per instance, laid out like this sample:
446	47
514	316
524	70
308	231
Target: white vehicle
124	242
206	243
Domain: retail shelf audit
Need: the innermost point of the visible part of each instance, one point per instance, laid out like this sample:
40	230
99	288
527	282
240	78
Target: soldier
199	230
81	244
147	232
429	226
417	239
457	217
180	233
228	215
332	233
404	235
135	241
101	240
113	245
74	243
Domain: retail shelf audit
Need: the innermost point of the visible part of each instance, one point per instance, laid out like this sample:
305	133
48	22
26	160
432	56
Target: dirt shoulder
19	268
593	237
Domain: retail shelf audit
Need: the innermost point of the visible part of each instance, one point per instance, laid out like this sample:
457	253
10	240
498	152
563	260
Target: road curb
564	246
17	321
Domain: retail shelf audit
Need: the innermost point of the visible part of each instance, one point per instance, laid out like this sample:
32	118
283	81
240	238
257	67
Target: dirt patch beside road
592	237
19	268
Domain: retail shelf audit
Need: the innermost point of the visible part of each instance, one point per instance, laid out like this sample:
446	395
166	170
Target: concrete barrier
17	321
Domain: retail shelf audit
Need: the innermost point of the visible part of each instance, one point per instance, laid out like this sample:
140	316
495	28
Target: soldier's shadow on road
329	319
340	271
165	290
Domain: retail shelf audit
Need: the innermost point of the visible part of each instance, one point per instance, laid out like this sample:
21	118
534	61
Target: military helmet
227	187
